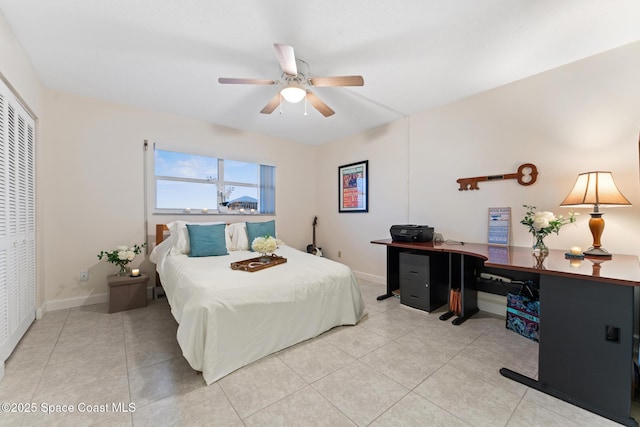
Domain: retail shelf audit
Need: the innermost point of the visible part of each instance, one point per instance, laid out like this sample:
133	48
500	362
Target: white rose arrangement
545	222
122	255
264	245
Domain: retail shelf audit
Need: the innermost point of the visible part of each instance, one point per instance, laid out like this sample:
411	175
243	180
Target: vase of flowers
541	224
538	243
122	256
266	246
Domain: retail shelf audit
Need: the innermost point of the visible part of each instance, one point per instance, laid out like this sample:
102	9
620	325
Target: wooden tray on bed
255	264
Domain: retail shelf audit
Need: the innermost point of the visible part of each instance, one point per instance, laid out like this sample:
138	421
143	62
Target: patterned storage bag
523	312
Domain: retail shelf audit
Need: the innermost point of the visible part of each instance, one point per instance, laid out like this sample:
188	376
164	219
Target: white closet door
17	221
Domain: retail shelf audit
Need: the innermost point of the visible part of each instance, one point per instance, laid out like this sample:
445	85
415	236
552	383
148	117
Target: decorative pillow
207	240
178	229
260	229
237	233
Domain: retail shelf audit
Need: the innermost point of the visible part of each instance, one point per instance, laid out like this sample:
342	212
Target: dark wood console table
586	317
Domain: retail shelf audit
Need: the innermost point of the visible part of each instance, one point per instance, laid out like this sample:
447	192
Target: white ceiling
413	54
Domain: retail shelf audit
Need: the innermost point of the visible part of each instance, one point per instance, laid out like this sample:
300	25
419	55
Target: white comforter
229	318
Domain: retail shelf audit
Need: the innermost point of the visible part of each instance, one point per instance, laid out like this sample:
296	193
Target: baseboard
491	303
63	304
370	277
41	311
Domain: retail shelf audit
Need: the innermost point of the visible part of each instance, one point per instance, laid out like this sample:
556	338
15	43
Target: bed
229	318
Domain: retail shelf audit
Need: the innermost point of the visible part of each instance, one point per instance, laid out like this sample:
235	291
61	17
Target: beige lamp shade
593	189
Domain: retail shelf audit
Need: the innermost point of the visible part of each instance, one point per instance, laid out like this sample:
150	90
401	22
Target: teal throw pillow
207	240
260	229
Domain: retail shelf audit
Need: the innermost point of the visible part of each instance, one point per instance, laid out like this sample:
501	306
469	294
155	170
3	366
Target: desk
462	267
586	318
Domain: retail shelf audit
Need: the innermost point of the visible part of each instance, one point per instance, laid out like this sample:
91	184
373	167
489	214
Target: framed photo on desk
353	187
499	226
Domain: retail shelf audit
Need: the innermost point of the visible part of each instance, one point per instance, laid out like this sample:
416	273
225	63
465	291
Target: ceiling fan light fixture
293	93
296	86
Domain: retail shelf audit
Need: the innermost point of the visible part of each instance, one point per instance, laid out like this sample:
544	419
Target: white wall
20	76
387	149
577	118
93	192
17	70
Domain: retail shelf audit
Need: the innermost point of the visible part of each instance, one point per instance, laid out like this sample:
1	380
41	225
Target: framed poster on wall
353	187
499	226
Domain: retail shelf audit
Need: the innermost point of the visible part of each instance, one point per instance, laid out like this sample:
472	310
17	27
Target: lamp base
597	253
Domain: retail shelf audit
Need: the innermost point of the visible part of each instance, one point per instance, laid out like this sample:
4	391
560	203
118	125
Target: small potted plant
541	224
121	256
224	197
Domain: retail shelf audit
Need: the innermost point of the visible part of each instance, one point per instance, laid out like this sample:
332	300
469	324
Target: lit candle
241	210
575	250
253	211
188	210
205	210
135	272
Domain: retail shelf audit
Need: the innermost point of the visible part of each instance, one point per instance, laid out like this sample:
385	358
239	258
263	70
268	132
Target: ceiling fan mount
296	85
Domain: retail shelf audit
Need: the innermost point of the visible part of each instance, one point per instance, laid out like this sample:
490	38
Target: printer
411	233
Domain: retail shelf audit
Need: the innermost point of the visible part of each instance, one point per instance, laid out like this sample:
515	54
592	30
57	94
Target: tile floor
397	367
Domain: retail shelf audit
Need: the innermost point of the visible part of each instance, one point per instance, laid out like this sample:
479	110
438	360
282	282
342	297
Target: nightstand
126	292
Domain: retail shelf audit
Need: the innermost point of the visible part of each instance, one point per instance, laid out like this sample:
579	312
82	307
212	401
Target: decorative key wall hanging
526	175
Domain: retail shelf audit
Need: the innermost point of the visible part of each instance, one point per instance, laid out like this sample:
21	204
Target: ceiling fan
296	85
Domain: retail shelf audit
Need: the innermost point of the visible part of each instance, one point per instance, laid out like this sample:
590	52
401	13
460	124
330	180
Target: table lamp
595	188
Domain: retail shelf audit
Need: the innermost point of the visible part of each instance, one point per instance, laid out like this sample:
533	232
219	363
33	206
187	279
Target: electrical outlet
339	254
84	275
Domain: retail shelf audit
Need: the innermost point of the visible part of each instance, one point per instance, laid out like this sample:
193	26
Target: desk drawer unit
416	287
414	266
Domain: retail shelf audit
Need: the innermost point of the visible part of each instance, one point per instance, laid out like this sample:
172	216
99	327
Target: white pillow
161	251
238	234
179	230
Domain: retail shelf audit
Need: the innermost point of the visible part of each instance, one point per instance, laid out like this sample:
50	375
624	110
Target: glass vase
123	270
265	258
539	246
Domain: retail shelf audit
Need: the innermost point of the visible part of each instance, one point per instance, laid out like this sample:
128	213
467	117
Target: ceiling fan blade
286	58
319	105
272	104
337	81
232	81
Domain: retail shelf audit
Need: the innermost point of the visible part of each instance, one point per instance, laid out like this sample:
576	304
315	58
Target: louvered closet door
17	221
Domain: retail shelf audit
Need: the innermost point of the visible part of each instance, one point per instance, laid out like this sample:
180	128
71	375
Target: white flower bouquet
121	256
265	245
545	223
541	224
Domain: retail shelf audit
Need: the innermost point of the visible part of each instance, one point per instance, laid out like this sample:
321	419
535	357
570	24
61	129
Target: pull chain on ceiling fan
296	85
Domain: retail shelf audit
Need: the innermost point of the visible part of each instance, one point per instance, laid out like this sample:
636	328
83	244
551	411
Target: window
201	183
